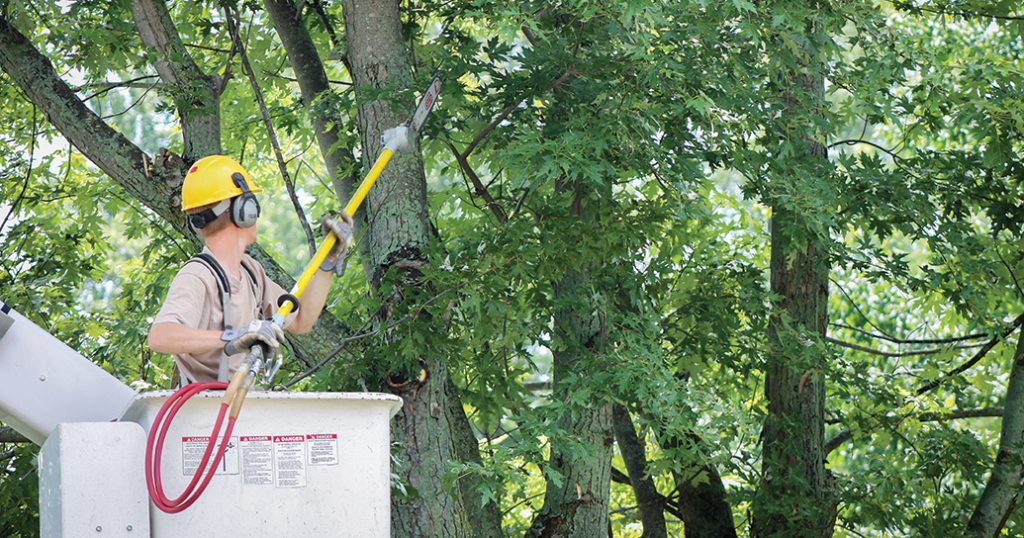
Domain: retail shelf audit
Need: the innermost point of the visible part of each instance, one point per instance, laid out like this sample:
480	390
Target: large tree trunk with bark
576	502
432	427
796	497
1005	484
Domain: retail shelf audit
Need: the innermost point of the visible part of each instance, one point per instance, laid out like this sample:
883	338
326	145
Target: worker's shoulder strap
211	263
223	284
256	284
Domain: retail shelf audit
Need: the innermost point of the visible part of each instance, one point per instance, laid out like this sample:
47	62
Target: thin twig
204	47
108	86
293	79
950	340
232	23
133	105
857	308
893	354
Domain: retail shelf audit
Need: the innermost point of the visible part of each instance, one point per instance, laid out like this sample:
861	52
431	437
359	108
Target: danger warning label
322	448
290	461
257	460
192	449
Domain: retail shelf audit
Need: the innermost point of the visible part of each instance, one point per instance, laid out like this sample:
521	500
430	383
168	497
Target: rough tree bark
1005	483
432	426
796	497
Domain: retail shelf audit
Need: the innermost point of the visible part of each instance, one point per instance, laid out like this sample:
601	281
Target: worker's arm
313	301
176	338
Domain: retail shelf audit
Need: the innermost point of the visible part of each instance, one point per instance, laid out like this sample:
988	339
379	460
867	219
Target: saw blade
426	104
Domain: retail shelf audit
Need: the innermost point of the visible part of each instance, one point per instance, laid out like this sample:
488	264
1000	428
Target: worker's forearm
313	300
175	338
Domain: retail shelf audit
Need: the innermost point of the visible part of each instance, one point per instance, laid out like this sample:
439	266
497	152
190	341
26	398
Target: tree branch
311	76
478	185
982	412
975	358
966	14
895	340
326	21
154	181
480	136
174	64
1003	487
879	352
853	142
196	95
649	501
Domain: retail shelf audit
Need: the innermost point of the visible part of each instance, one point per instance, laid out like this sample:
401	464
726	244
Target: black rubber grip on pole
286	298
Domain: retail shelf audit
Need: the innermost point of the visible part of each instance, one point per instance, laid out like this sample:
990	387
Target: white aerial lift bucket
310	464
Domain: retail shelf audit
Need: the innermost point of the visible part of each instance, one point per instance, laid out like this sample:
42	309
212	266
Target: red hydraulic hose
155	442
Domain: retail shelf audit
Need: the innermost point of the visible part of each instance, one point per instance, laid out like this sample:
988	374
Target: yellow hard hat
211	180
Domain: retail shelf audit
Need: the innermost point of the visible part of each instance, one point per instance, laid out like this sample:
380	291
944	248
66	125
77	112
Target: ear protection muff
245	208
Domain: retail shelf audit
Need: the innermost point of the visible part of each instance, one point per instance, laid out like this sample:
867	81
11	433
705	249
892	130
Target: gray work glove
341	227
240	340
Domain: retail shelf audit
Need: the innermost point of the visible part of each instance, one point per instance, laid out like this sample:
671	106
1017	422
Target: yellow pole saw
399	138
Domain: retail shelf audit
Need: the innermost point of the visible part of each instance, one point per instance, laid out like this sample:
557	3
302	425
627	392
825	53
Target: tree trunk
1004	485
796	497
650	503
578	484
795	494
432	427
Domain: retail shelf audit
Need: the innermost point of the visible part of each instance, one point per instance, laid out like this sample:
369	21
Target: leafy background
670	111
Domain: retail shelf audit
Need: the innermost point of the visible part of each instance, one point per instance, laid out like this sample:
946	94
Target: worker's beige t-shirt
194	300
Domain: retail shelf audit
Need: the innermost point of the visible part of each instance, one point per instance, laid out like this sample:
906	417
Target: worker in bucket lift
221	301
